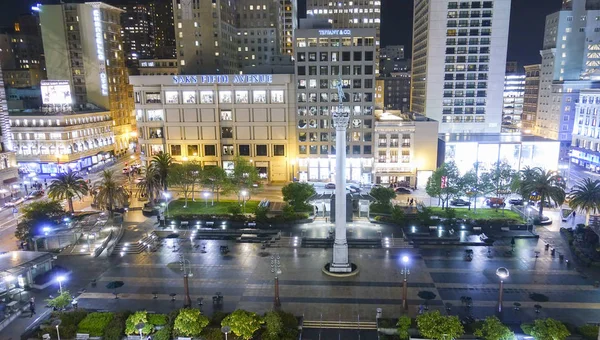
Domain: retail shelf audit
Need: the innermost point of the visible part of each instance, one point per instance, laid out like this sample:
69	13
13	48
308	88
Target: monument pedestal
340	262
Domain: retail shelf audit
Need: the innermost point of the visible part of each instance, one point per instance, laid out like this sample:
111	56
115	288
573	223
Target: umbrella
537	297
114	285
426	295
517	306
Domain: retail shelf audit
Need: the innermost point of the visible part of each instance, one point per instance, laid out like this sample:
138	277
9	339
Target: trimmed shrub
163	334
157	319
588	332
212	334
136	318
69	322
116	327
94	324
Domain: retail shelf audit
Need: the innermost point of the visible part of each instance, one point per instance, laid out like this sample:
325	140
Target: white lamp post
405	272
244	194
503	274
60	279
206	194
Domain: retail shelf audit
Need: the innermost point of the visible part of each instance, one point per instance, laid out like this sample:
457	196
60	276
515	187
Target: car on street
356	188
14	203
35	194
330	186
547	204
350	189
460	202
516	201
402	191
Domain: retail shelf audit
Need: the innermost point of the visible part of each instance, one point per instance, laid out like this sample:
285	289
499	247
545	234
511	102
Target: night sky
526	28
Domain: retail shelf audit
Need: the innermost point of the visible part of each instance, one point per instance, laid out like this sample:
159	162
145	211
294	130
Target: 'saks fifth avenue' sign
225	79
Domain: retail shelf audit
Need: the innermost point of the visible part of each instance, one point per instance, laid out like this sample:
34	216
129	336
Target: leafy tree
523	176
498	180
383	196
296	194
61	301
449	171
288	212
546	329
261	213
586	196
111	194
470	187
150	184
403	326
162	162
274	326
589	332
398	215
184	176
36	216
67	186
244	176
435	326
243	323
216	178
546	185
190	322
134	319
493	329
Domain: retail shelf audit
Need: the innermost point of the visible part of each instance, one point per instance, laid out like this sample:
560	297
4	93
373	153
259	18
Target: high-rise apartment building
512	108
346	14
164	29
459	61
258	37
8	162
396	91
83	45
137	32
206	36
288	25
392	52
586	136
324	57
530	101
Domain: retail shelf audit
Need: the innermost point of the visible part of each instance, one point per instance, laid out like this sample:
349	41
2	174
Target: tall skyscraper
164	29
288	25
83	45
206	35
137	31
530	101
349	15
8	162
512	108
259	35
459	61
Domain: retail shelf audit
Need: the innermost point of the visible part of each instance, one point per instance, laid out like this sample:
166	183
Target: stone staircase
396	243
367	325
138	247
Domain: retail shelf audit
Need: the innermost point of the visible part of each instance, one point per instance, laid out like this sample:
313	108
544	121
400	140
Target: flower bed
94	324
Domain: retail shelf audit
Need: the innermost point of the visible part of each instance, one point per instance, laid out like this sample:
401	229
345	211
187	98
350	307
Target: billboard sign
56	92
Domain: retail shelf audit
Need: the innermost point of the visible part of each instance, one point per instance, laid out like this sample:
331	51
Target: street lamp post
60	279
167	196
206	194
56	323
140	327
225	330
187	272
293	162
503	274
244	193
405	272
276	269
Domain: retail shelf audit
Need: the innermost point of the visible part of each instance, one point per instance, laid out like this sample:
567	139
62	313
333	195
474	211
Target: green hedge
69	322
94	324
116	327
157	319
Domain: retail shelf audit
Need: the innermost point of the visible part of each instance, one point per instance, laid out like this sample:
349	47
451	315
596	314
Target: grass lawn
199	207
482	213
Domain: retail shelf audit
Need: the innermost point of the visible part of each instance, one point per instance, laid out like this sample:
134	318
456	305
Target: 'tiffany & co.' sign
225	79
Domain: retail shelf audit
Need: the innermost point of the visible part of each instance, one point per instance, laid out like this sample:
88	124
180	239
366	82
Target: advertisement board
56	92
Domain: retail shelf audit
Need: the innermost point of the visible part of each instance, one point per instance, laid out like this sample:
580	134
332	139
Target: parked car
330	186
35	194
356	188
402	191
547	204
350	189
14	203
516	201
460	202
495	202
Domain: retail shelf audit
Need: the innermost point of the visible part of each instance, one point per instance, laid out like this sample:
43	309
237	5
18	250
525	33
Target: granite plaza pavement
244	278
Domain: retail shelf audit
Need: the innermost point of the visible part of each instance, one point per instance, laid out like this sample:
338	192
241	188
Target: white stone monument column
340	263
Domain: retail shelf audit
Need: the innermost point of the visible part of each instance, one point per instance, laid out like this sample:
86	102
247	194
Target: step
339	324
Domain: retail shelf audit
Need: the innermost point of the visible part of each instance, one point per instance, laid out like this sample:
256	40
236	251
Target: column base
338	271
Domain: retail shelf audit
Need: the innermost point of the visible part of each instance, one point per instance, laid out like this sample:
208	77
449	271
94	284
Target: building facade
586	133
157	67
512	108
259	36
459	61
345	14
82	44
530	98
214	118
406	148
324	57
392	52
396	88
49	143
8	162
288	25
164	29
137	32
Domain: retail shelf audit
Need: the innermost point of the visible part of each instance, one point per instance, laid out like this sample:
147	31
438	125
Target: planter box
183	338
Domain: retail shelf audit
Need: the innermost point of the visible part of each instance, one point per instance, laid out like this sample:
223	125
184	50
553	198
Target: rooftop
385	116
47	112
15	259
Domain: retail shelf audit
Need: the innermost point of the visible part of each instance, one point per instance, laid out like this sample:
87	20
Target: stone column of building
340	261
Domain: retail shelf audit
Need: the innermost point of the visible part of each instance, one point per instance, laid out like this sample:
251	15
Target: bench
81	336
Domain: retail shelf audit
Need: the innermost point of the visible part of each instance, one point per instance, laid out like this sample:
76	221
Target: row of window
335	56
469	85
355	136
59	122
470	4
330	149
356	110
472	14
469	23
229	150
335	42
462	102
469	50
208	97
328	123
464	59
468	93
469	41
326	70
466	111
355	97
473	32
332	83
463	119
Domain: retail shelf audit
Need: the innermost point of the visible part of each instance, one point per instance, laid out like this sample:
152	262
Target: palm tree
150	183
586	196
545	184
68	186
110	193
162	162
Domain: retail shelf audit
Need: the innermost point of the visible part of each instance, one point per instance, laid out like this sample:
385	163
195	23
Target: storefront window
156	149
259	97
225	97
206	97
277	96
155	115
241	97
189	97
151	98
156	133
172	97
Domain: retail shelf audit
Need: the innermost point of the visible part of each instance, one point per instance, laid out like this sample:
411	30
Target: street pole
503	274
500	295
57	333
187	301
405	272
276	269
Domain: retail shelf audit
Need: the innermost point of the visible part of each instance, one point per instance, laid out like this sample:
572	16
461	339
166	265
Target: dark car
547	204
402	191
35	194
460	202
516	201
149	210
330	186
356	188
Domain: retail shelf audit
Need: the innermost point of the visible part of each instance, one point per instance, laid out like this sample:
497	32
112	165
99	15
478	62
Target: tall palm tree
586	196
150	183
545	184
110	193
67	186
162	162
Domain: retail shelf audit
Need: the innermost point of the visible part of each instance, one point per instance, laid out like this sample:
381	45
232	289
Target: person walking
31	308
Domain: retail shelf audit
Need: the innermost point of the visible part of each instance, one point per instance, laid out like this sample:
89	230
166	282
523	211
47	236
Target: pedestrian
574	214
31	308
317	210
407	200
411	202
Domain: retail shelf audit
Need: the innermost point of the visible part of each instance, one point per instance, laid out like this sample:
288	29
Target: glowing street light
244	194
503	274
60	279
206	194
405	272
